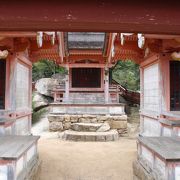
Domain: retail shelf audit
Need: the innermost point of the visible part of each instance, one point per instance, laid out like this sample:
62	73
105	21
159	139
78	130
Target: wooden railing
114	93
129	95
115	89
58	92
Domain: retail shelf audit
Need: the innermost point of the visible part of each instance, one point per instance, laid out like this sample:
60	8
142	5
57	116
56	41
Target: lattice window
175	85
2	83
86	77
151	88
22	87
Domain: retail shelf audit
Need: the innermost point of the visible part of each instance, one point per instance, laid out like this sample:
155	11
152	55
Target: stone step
90	127
111	135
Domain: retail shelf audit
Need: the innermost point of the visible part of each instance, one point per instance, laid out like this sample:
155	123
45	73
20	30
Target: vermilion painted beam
100	15
79	65
17	34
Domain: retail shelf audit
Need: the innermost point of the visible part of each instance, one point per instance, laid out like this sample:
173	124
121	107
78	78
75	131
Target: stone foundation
33	172
58	122
158	158
139	172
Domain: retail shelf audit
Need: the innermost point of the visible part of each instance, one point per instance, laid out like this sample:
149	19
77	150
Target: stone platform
61	122
158	159
18	157
88	122
93	109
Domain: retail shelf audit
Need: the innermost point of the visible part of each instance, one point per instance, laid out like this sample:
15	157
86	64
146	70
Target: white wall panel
151	127
146	154
167	131
160	166
3	172
30	153
151	88
19	166
177	173
22	86
22	126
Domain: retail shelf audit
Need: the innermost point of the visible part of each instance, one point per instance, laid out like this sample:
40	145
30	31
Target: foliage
127	74
36	114
45	69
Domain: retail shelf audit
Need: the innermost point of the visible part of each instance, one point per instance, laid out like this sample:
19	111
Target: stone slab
90	127
91	109
175	123
111	135
55	117
105	127
12	147
167	148
117	124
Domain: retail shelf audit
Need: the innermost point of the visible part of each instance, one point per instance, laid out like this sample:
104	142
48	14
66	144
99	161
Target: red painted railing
132	96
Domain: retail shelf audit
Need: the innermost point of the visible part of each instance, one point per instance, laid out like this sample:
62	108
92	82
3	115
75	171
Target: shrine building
88	40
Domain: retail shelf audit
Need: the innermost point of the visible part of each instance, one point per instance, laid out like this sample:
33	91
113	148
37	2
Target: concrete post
67	84
106	86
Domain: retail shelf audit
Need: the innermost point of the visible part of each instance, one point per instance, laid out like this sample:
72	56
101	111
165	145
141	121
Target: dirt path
62	160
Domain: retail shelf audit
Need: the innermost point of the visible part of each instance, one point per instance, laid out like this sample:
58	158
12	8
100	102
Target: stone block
55	126
111	135
109	118
101	138
109	138
78	138
84	120
123	132
67	118
118	124
90	138
55	118
89	116
86	127
119	118
74	118
94	120
105	127
102	118
116	136
66	125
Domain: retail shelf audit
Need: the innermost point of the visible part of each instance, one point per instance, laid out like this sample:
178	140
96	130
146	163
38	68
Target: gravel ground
63	160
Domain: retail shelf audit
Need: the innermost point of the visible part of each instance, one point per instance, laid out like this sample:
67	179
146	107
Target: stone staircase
90	132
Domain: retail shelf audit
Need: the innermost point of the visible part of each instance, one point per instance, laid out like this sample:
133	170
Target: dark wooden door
2	83
175	85
86	77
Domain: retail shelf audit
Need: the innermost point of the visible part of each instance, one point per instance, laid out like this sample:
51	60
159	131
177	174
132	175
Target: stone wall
64	122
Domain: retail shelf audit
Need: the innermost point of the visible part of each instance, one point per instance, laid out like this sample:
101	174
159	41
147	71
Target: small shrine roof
85	40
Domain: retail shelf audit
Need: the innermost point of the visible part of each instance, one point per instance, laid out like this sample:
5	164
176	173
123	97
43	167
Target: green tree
45	69
127	74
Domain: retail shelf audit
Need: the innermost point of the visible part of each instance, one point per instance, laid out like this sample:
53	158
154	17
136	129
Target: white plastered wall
151	88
